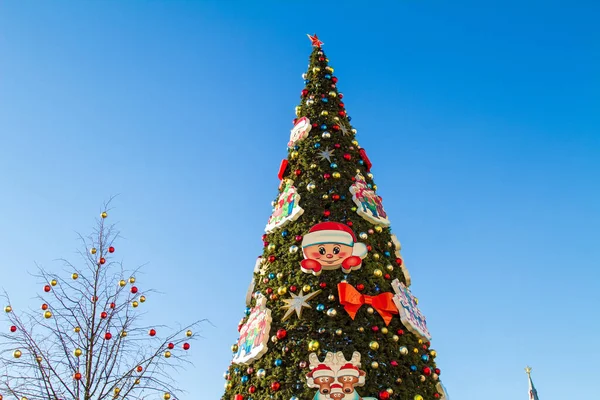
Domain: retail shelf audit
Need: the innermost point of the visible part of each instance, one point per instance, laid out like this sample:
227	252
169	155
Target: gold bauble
167	354
376	256
312	166
77	329
390	390
297	110
93	250
53	282
370	310
75	275
420	341
135	304
418	397
188	333
137	382
374	345
433	353
374	187
142	299
316	69
384	330
398	380
281	290
332	94
7	309
325	196
47	314
416	300
167	396
330	69
390	267
294	154
132	280
338	332
306	288
331	297
395	338
234	348
422	378
324	113
123	334
378	229
313	345
415	350
17	354
336	118
355	142
122	283
77	352
374	365
378	273
271	247
117	390
39	359
434	376
336	175
361	329
104	214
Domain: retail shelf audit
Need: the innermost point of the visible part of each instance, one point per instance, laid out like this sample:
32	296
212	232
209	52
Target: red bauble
298	172
400	332
171	346
139	368
375	328
281	334
238	397
341	113
134	289
77	376
349	223
111	249
321	58
326	175
13	328
293	288
436	395
269	290
341	95
103	314
322	285
314	125
384	395
341	105
107	336
264	236
336	127
47	288
387	276
298	238
323	95
152	332
360	287
265	244
437	371
424	347
102	260
394	363
335	197
334	79
427	371
273	297
44	306
304	92
347	157
252	389
275	386
326	213
94	299
399	261
369	248
337	145
186	346
112	305
272	258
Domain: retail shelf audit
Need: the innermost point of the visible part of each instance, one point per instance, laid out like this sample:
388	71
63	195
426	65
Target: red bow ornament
352	301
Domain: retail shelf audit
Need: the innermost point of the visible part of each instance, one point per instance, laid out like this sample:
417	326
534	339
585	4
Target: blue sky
481	119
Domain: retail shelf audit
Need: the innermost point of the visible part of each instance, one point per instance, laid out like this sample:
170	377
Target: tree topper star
315	40
296	303
326	154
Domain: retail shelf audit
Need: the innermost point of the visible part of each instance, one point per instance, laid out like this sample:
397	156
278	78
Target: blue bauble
325	100
247	312
413	368
323	127
320	307
343	197
333	165
284	233
245	378
361	162
278	362
387	253
272	275
327	76
296	147
425	357
369	186
317	145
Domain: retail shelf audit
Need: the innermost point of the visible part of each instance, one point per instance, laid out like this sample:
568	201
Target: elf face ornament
329	246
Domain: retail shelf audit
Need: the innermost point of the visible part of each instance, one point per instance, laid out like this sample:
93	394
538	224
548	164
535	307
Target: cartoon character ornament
335	377
410	315
300	131
254	334
369	205
331	245
287	208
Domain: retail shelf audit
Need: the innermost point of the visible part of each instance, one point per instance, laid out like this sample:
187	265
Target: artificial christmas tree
330	315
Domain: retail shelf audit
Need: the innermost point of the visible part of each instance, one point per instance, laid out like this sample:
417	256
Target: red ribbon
352	301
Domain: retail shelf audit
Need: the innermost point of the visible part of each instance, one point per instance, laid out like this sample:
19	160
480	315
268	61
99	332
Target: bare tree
86	342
